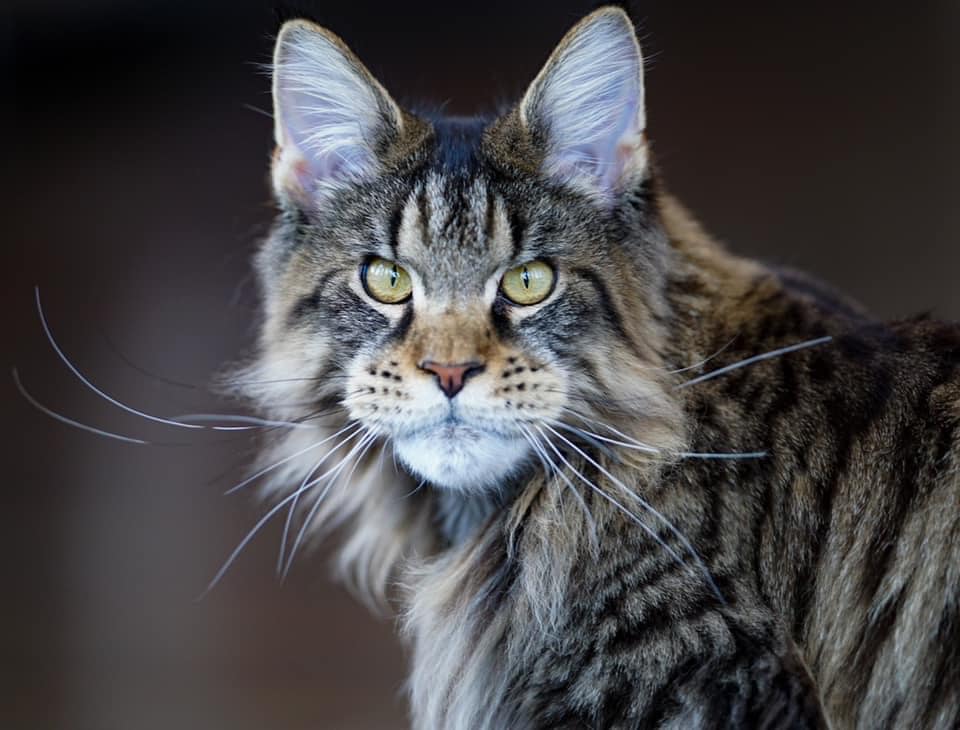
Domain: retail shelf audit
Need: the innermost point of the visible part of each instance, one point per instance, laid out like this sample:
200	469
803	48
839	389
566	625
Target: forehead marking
456	213
412	227
456	233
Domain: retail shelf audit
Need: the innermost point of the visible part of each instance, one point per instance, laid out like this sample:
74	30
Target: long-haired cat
611	474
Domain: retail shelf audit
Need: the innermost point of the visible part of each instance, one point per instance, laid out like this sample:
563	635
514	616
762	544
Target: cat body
642	482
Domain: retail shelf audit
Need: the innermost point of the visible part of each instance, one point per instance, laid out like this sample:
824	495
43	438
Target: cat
610	474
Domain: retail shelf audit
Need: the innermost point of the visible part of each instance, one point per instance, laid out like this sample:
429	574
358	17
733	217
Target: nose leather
451	377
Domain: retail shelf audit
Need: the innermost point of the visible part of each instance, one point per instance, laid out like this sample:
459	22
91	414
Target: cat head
456	286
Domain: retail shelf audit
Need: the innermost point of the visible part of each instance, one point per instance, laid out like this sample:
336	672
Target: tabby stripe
517	227
847	428
396	219
946	675
883	538
423	209
403	326
309	304
663	619
610	312
664	703
489	216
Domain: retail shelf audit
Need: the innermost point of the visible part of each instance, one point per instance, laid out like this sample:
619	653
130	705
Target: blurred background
133	191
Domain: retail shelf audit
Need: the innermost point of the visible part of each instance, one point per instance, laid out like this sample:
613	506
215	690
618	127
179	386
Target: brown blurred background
134	190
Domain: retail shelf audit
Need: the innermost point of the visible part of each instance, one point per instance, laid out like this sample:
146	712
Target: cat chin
463	459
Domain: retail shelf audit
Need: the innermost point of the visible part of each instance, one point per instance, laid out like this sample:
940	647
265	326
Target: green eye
529	283
386	281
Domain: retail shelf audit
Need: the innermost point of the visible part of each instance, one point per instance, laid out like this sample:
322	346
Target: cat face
454	284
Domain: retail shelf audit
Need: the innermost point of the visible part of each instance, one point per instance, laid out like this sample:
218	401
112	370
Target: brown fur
776	546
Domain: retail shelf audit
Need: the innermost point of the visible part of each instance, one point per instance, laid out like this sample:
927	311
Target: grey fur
601	570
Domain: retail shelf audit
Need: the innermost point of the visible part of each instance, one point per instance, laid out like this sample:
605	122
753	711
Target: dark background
134	190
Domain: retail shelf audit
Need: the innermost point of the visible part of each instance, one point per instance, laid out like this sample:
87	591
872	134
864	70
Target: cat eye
529	283
386	281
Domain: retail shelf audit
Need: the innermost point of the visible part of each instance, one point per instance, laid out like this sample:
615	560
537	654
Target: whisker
551	468
705	360
723	455
228	418
243	543
304	485
363	444
755	359
91	386
597	399
286	459
257	110
595	439
267	429
636	446
368	437
246	540
305	379
643	503
640	446
383	453
643	525
110	399
413	491
69	421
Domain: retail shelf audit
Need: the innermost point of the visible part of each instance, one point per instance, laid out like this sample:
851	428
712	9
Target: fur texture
683	491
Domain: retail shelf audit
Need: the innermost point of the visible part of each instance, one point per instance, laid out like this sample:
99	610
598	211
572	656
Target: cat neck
459	515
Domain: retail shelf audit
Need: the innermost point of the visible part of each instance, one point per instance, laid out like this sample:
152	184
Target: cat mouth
460	454
456	427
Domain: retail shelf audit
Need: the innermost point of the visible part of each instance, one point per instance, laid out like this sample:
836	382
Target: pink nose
451	378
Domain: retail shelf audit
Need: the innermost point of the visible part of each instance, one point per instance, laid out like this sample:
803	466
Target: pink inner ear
590	101
328	113
292	173
305	178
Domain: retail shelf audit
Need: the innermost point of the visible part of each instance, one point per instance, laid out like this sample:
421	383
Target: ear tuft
331	116
586	107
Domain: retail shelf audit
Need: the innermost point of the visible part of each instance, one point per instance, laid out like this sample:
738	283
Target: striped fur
629	529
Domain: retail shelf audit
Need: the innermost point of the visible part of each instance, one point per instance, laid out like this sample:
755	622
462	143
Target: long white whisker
105	396
243	543
91	386
704	361
304	485
722	455
640	446
756	358
643	503
368	436
293	507
413	491
643	525
592	435
69	421
230	418
281	462
246	540
551	467
364	444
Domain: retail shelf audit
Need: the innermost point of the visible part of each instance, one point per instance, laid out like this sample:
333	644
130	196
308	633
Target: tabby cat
612	475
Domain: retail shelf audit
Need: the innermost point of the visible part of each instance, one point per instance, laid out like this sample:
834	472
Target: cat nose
450	377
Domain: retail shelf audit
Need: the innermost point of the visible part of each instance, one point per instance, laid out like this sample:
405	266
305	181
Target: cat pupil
525	276
394	277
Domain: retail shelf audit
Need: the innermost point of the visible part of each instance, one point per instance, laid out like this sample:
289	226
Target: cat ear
586	107
331	117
